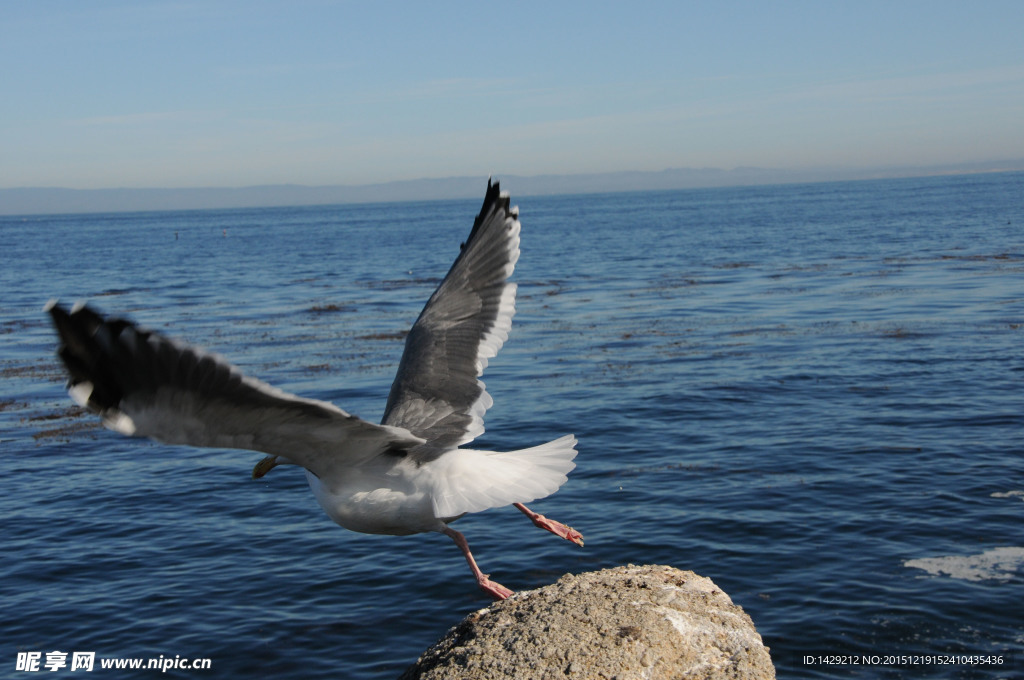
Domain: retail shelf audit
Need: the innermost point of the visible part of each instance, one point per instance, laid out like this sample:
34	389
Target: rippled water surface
812	394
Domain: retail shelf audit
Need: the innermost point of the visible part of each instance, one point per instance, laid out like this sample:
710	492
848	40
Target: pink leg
495	590
557	528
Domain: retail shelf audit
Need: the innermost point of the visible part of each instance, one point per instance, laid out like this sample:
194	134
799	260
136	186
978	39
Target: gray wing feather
145	384
437	394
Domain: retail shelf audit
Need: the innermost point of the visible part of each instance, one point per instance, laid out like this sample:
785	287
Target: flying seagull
408	475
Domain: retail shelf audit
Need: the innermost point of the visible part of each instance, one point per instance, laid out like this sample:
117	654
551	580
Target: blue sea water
812	394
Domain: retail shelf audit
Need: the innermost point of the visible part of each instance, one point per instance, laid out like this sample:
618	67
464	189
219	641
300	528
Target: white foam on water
999	564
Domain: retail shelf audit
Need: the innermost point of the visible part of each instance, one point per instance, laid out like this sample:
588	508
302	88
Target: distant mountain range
28	201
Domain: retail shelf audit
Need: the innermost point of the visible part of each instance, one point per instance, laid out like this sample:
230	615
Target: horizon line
58	200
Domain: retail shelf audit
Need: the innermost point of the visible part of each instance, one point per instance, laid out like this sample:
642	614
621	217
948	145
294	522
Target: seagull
408	475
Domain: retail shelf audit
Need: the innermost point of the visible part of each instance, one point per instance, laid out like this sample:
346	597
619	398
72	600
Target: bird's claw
494	589
574	536
559	529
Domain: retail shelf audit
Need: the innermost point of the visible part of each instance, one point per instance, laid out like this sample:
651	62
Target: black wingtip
55	309
493	200
492	196
81	349
61	319
75	324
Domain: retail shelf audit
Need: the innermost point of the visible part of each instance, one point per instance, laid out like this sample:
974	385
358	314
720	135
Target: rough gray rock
632	622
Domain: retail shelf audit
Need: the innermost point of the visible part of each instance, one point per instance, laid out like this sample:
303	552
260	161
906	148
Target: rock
650	622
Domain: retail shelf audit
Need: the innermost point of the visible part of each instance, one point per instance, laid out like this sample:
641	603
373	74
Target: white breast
372	501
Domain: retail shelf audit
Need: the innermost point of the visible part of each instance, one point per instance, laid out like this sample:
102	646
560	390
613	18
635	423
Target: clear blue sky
138	93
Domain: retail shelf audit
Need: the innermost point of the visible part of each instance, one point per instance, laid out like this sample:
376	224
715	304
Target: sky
108	94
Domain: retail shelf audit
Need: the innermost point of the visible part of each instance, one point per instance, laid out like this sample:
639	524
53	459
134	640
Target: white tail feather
465	480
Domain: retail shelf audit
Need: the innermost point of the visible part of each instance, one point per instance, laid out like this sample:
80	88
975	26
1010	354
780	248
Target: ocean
812	394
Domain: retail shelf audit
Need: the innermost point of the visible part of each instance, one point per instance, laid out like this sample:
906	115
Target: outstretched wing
144	384
437	394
